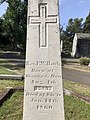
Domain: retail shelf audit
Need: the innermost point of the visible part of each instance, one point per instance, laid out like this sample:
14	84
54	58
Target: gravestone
43	92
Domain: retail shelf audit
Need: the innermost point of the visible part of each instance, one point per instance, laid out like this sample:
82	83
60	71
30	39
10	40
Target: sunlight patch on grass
10	83
4	70
78	88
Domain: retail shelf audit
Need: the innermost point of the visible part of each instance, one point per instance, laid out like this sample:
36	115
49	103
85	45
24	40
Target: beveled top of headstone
43	94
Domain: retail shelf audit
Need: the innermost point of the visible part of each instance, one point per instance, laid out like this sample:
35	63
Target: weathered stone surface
43	94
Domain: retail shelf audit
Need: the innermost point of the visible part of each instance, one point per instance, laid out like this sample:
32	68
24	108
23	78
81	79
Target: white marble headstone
43	92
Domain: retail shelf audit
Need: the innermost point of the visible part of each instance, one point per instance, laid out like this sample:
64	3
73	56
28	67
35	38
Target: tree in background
13	26
14	23
1	31
3	41
74	26
86	27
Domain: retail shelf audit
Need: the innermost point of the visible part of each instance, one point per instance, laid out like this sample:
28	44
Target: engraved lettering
43	88
45	107
37	70
43	63
52	82
55	76
38	100
48	94
37	82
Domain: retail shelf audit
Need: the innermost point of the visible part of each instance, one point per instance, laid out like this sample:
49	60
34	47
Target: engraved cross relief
43	19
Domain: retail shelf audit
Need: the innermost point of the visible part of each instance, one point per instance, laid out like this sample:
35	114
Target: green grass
12	108
10	83
4	70
76	109
78	88
6	67
3	67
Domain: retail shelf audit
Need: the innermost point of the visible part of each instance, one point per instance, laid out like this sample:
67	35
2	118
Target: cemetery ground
74	64
76	108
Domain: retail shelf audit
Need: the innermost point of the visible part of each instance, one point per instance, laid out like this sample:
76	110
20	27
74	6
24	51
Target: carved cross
43	19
